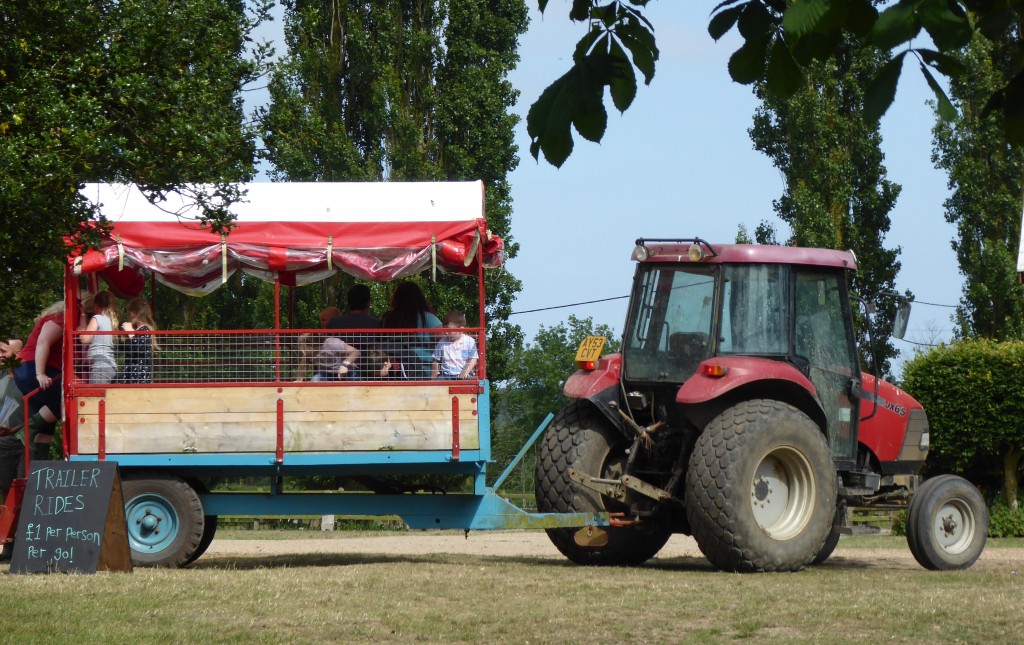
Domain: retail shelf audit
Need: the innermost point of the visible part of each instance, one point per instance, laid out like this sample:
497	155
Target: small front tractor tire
761	488
947	524
580	438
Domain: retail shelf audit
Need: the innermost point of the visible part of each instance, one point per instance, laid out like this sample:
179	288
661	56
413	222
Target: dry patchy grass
865	593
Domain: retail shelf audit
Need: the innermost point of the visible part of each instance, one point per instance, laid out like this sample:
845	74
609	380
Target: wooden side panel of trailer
233	419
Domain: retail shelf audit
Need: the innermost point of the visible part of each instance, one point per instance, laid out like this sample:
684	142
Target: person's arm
473	357
48	335
468	369
435	369
92	326
351	356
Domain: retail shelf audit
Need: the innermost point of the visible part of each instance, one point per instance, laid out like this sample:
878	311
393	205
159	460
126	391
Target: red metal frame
455	428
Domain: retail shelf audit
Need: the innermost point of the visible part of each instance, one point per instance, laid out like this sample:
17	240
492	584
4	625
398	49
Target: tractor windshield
755	315
669	329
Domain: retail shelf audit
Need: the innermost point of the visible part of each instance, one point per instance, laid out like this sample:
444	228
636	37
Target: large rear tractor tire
165	520
580	438
947	524
761	488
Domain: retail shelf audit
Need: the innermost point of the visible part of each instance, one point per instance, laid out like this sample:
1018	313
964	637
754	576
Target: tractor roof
679	250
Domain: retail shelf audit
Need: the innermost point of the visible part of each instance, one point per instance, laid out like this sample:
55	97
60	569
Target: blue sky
679	163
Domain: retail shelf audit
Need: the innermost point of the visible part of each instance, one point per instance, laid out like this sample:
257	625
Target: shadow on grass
281	561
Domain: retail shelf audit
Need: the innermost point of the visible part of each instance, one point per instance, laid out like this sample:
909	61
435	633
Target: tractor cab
699	312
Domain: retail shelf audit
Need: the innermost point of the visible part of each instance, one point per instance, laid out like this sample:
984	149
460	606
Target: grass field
868	591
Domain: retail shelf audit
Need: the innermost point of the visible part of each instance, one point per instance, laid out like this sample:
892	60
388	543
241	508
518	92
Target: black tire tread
717	517
569	440
931	495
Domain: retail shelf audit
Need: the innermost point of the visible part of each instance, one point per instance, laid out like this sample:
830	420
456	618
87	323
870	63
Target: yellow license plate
590	348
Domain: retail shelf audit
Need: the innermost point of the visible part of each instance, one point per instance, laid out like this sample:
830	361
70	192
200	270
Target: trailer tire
947	524
761	488
582	439
209	524
209	531
165	520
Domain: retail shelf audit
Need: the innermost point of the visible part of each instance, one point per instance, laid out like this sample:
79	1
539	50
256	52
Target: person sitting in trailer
327	314
376	365
410	310
332	359
100	353
358	316
138	349
455	356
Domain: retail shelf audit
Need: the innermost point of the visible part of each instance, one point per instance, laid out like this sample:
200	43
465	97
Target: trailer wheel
209	524
947	524
581	438
761	489
209	531
165	520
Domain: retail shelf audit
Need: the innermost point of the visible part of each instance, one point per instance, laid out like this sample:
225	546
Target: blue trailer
222	405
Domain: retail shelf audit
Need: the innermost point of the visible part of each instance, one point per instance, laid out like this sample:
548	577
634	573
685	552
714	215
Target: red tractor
737	413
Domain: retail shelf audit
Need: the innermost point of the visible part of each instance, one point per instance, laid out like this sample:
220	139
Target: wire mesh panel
316	356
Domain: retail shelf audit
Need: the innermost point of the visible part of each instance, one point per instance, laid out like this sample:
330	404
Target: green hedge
973	392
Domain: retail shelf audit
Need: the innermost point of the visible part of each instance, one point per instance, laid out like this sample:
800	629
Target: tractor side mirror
899	325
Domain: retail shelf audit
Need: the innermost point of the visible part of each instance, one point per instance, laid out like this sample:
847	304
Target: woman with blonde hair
41	368
138	348
100	354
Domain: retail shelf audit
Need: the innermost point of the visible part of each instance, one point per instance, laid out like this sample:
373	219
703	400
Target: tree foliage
836	191
534	384
410	90
113	90
781	40
984	177
973	392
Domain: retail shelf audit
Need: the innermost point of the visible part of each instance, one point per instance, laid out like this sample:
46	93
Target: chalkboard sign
71	519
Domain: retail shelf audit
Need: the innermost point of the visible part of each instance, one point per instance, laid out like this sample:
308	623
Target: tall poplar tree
985	204
405	90
836	193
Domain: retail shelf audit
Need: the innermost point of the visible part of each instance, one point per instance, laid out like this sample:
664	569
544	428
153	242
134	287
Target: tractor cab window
669	329
824	343
755	311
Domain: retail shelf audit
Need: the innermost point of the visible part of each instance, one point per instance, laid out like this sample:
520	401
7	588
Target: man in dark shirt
358	316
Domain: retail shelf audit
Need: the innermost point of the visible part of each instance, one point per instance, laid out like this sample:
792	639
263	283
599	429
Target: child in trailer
456	356
100	353
138	348
332	358
376	365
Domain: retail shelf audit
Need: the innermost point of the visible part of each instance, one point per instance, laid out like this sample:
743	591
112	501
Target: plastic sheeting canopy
297	233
